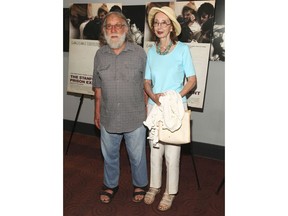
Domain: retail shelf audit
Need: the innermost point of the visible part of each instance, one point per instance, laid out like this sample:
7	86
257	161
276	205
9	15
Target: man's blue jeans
136	147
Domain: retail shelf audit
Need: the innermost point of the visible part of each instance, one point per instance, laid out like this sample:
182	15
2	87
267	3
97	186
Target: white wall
208	126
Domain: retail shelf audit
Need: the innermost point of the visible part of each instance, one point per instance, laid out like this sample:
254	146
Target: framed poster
84	26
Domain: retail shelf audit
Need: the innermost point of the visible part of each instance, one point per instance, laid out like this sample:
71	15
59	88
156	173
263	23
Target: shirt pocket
132	71
105	73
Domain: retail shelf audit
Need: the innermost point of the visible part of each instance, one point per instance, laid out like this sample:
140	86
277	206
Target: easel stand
194	166
75	122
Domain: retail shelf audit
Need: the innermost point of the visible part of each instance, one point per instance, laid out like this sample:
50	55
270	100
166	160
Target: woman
168	63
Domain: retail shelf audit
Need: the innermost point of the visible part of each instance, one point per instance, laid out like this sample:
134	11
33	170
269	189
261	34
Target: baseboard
198	148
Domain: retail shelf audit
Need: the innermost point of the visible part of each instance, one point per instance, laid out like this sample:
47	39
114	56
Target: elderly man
118	74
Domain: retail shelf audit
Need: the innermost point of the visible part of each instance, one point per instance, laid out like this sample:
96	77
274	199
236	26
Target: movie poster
198	38
197	19
85	26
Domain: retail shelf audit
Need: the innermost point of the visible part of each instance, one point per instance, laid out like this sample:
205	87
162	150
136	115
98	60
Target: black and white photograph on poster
135	21
86	19
78	14
218	39
196	20
85	27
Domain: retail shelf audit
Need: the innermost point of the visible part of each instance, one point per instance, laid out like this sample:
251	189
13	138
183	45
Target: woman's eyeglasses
162	24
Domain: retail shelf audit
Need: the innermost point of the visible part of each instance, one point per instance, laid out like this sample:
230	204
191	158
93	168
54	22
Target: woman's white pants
171	154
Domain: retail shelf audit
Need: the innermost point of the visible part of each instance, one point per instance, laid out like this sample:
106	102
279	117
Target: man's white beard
115	44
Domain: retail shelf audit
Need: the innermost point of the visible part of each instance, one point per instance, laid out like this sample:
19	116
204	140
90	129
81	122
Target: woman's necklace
158	49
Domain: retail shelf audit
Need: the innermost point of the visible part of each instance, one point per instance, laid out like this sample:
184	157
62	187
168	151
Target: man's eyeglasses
117	26
162	24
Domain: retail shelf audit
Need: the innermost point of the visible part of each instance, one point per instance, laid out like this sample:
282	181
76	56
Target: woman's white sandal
150	195
166	202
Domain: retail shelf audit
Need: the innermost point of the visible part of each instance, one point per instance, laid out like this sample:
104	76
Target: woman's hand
156	98
149	92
